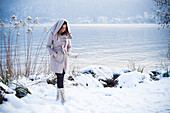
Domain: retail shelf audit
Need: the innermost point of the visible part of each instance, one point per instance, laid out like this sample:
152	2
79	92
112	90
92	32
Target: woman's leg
60	85
60	79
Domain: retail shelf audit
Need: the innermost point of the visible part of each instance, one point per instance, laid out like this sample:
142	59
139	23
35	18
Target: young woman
59	47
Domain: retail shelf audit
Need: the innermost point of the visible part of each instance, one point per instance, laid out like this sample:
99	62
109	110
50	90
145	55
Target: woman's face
63	28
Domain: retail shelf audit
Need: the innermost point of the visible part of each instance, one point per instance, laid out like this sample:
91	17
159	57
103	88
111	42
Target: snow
5	87
134	97
88	81
99	72
160	72
132	79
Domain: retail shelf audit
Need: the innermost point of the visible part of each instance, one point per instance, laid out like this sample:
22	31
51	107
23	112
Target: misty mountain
78	11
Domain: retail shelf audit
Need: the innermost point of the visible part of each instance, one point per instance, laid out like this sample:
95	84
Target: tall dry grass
17	58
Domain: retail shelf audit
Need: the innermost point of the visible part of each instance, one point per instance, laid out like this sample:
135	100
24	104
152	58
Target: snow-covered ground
134	97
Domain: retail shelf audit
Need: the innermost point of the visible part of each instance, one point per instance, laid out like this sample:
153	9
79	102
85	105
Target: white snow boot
58	94
63	98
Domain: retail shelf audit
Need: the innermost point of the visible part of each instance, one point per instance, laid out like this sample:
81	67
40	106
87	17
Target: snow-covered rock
118	72
6	88
98	72
88	81
160	73
132	79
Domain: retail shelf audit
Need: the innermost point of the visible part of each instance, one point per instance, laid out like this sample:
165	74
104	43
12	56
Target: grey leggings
60	79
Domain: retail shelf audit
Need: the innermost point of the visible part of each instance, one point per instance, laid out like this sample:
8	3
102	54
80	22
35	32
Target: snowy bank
150	98
86	94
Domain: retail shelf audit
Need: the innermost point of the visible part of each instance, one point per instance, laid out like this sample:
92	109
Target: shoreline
100	24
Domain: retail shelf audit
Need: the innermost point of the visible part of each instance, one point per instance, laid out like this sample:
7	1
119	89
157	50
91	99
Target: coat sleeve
49	44
69	47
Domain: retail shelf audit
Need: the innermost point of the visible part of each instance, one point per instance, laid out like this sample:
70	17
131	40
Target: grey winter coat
60	45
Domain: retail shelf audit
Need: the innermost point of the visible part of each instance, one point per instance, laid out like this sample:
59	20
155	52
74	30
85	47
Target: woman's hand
55	55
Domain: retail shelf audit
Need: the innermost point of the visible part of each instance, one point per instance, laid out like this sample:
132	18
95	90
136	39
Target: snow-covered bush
162	12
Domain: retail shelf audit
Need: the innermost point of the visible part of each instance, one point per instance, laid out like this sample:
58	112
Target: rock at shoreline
159	73
3	91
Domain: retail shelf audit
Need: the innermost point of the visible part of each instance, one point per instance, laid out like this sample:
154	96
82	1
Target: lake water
114	45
